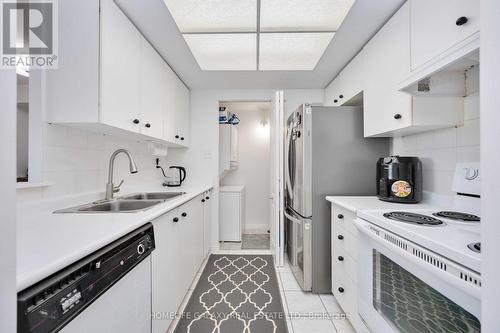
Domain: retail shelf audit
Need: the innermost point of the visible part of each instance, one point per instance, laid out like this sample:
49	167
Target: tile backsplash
76	161
441	149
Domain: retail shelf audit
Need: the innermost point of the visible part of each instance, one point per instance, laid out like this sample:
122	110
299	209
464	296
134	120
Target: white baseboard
254	229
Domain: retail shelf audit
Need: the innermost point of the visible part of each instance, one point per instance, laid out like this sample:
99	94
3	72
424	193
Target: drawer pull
341	290
184	214
461	20
340	216
175	219
340	237
341	258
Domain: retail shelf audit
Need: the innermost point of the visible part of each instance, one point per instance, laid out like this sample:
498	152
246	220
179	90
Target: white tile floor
307	312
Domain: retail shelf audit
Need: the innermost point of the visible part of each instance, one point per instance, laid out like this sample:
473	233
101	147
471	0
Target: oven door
405	288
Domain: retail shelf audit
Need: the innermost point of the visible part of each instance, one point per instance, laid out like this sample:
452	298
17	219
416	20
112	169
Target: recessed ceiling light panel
224	51
214	15
292	51
303	15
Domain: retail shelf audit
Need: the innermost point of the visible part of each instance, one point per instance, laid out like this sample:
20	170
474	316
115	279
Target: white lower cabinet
344	264
180	250
207	220
232	213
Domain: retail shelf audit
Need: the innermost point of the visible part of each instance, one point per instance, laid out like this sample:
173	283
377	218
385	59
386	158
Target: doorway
245	141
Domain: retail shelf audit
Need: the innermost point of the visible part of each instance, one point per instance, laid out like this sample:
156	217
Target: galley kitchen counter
48	242
355	203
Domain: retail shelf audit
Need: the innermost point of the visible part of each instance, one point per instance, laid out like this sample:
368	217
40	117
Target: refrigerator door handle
292	218
287	163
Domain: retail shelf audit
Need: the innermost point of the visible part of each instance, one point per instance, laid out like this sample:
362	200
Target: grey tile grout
329	314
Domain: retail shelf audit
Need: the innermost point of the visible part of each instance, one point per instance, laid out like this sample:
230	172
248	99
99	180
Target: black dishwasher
53	302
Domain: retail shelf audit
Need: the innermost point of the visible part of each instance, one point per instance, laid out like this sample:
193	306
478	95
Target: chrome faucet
110	187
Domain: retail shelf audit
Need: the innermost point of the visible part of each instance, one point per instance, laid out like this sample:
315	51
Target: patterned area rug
235	293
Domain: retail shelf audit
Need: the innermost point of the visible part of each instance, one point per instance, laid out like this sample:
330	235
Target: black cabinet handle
182	138
340	216
148	125
341	258
341	96
335	101
202	200
340	237
398	116
184	214
461	20
177	137
341	290
176	219
207	198
136	121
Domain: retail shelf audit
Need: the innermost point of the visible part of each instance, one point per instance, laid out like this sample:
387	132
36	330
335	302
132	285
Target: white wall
7	198
76	161
254	169
440	150
490	164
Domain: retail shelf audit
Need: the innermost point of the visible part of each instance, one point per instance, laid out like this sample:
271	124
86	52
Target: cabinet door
168	81
120	69
207	223
434	26
182	96
186	247
165	271
151	91
387	58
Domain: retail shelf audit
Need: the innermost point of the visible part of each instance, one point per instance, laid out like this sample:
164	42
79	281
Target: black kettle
176	177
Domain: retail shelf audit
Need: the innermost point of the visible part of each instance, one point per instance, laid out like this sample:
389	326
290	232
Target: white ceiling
153	19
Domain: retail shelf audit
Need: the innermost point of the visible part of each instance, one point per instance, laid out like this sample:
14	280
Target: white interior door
276	193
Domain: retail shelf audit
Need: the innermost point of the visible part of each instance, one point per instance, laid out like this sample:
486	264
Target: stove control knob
141	249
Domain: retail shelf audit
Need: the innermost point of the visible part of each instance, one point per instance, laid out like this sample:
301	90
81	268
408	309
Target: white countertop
357	203
48	242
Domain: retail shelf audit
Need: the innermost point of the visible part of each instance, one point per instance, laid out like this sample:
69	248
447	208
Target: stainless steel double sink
131	203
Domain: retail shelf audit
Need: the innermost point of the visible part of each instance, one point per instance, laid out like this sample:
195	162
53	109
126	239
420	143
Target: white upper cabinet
438	26
388	111
151	106
348	84
387	61
120	69
126	87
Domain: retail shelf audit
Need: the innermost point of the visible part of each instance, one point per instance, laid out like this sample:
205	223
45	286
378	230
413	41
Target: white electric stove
420	269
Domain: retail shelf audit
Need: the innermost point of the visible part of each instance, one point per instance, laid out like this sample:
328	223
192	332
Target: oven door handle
456	282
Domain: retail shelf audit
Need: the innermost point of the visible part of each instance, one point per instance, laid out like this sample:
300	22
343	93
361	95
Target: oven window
411	306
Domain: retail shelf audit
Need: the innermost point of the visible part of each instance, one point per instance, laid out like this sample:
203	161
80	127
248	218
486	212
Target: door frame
278	194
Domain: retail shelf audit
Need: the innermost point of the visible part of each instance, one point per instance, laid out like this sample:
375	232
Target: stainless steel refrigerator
325	154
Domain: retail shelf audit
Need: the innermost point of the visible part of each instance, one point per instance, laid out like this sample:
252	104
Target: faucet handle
117	188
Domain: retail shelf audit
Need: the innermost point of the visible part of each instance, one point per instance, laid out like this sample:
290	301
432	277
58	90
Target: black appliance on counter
399	179
176	176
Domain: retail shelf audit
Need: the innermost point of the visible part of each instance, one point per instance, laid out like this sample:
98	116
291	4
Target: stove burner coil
413	218
458	216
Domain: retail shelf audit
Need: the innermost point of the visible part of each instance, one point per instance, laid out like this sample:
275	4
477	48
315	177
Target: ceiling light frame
258	31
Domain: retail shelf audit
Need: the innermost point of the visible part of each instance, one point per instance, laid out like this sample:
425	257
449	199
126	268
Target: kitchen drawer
344	290
348	243
344	218
343	262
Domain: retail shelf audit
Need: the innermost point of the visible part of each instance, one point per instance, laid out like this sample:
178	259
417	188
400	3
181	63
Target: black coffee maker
399	179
